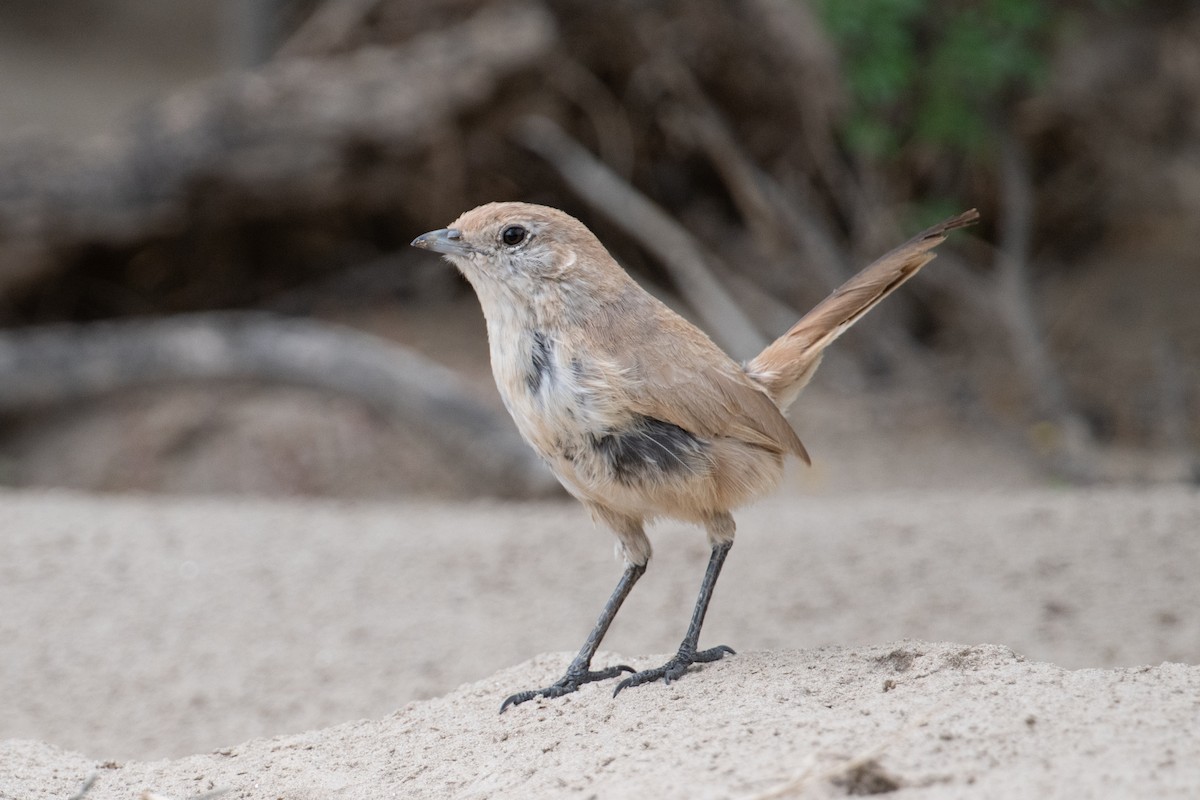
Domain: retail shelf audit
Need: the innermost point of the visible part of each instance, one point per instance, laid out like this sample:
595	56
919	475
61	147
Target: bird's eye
513	235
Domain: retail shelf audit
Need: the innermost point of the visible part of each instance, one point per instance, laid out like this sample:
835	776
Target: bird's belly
650	468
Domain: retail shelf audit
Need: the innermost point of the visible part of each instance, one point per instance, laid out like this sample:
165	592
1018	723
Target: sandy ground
140	628
913	719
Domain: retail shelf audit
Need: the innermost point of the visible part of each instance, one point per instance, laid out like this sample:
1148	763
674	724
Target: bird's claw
566	684
675	668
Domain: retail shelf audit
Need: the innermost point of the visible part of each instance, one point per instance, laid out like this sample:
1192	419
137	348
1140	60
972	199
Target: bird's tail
787	364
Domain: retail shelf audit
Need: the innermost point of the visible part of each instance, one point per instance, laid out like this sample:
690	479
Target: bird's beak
447	241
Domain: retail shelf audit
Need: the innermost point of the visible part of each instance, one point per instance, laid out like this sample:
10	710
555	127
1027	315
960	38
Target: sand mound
921	719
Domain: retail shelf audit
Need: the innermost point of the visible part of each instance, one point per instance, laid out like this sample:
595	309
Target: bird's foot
566	684
675	668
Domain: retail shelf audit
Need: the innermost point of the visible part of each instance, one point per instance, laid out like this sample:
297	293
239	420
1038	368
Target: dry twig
84	787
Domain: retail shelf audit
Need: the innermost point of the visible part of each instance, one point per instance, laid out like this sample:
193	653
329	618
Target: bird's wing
688	381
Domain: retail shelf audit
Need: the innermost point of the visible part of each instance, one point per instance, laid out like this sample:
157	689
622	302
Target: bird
637	412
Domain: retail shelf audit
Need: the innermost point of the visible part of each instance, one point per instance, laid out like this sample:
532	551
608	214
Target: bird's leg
688	654
579	672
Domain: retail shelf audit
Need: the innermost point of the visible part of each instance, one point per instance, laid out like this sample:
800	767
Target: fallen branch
283	135
64	363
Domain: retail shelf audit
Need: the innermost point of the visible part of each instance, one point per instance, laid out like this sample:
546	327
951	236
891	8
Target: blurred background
206	288
205	210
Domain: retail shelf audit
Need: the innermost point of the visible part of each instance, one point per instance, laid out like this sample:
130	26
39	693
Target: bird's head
520	250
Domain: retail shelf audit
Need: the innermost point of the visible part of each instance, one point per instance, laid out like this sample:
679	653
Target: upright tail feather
787	364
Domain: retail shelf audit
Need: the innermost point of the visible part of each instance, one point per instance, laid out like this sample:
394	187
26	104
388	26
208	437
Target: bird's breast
551	391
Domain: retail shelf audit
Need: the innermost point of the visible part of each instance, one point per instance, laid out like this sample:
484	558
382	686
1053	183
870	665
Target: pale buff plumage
638	412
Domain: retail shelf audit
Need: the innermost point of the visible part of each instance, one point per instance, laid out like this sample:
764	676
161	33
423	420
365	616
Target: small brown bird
638	413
